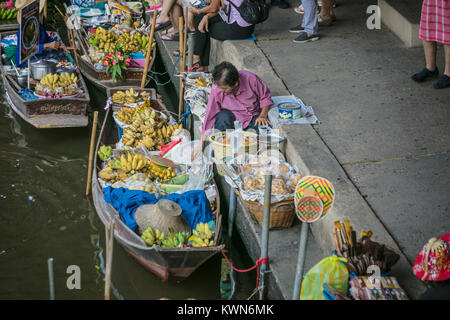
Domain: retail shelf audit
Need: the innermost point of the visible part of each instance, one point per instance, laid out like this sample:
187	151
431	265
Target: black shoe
297	29
443	82
425	74
305	38
280	4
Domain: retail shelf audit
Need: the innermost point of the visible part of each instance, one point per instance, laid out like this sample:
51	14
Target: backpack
253	11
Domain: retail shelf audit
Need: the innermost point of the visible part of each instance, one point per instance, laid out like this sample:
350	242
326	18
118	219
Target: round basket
223	150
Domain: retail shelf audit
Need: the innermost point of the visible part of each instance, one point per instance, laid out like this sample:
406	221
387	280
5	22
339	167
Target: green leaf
119	72
114	74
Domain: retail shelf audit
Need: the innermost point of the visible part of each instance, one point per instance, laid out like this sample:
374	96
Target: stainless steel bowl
41	68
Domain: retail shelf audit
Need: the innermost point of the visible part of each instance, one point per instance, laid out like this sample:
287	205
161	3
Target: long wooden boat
46	112
166	263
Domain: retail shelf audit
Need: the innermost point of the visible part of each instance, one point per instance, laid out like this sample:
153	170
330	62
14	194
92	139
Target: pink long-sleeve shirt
251	97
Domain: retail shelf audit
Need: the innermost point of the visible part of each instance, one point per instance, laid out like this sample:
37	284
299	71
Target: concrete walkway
383	140
389	134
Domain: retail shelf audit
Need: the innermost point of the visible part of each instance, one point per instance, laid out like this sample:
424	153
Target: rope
186	114
257	264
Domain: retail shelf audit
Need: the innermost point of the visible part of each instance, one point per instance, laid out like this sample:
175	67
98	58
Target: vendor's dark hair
225	73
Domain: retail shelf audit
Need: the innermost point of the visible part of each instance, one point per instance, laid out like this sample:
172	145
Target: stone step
402	17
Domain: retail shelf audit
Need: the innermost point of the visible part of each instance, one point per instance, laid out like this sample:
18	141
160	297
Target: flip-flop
194	67
162	25
171	37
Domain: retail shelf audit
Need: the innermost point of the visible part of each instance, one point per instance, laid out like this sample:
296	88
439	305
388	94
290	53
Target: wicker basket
282	214
222	150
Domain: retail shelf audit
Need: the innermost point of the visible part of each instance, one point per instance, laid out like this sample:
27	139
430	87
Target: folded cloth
27	94
194	204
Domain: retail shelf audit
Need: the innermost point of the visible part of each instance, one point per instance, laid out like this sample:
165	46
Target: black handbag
252	11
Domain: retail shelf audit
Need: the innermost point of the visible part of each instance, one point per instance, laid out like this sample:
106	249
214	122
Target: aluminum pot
22	79
41	68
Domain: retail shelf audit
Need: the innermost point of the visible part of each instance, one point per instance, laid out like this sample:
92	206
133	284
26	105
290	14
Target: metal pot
41	68
22	79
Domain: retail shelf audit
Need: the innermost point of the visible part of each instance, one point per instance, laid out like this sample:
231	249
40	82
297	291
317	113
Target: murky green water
44	214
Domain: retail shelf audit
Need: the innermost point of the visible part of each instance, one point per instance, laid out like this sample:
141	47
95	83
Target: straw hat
433	261
23	3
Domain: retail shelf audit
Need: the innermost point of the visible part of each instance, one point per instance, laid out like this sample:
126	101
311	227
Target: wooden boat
102	81
46	113
166	263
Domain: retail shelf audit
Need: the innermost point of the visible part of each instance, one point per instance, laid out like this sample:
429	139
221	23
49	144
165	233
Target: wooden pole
180	102
72	39
91	153
109	244
45	14
149	50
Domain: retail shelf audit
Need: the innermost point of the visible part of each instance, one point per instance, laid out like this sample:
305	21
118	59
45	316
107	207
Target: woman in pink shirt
235	95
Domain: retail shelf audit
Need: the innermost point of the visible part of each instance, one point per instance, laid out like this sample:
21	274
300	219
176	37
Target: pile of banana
203	236
175	240
155	171
153	237
53	80
113	174
133	162
106	41
105	152
202	82
148	129
130	96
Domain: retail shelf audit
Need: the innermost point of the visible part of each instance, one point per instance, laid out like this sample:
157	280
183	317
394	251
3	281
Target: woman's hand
262	120
193	9
52	45
203	25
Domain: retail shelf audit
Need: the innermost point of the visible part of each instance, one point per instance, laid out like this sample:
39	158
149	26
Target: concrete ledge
402	17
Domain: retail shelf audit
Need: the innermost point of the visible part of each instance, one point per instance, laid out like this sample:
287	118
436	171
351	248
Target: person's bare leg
447	59
325	12
165	11
175	13
429	48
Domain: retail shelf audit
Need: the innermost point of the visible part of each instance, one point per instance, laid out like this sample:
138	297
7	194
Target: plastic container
289	111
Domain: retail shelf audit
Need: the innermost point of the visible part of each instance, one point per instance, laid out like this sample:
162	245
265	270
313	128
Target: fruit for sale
112	175
132	162
105	152
203	236
67	82
153	236
155	171
175	240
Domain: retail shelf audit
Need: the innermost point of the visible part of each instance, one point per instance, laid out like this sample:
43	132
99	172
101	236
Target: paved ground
389	134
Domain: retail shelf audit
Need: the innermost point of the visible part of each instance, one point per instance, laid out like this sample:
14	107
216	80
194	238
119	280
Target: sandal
171	36
194	67
162	25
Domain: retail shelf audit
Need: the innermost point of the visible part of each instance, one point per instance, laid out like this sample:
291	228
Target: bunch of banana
155	171
105	152
50	80
203	236
112	175
66	80
200	82
178	240
133	162
153	237
126	115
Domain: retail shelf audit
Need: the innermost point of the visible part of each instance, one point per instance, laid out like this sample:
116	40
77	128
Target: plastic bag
332	270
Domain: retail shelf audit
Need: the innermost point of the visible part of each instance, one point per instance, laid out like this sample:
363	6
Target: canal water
44	214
